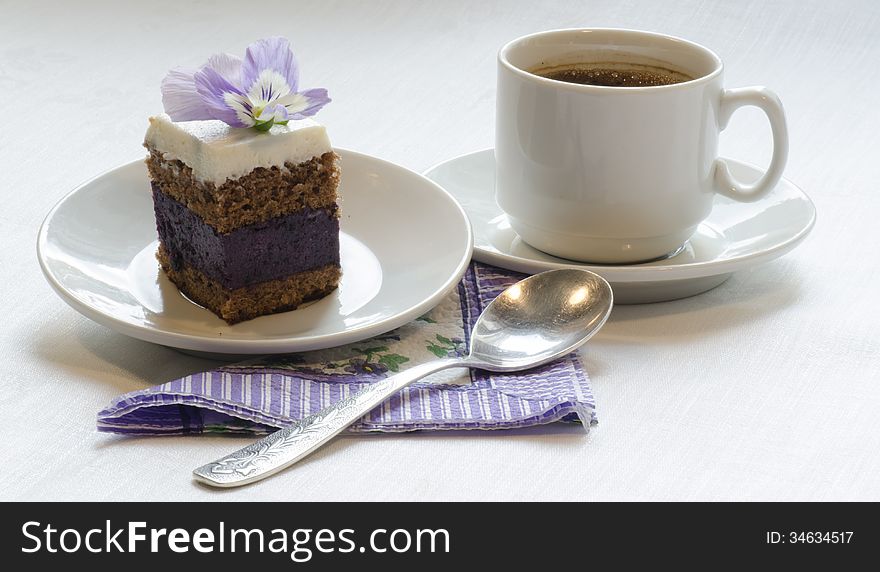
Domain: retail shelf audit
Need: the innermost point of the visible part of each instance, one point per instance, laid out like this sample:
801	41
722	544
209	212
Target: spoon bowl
539	319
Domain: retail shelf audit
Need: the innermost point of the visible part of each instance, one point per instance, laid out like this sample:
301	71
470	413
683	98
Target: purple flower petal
308	103
269	54
228	66
180	98
281	114
274	112
225	101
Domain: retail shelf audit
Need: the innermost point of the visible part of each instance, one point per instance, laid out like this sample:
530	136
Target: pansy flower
259	91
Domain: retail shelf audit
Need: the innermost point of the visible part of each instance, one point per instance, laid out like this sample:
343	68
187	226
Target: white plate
735	236
405	243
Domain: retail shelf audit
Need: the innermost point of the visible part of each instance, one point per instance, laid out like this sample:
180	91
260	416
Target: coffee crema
613	74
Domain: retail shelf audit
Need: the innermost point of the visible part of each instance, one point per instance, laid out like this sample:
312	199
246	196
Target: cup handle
769	103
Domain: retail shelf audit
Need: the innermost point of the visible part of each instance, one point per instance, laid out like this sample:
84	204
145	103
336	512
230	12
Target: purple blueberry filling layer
305	240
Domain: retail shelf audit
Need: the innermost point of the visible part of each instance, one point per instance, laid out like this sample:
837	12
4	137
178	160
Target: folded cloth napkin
261	395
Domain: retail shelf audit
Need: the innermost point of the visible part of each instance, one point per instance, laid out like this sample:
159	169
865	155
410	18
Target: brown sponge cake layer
260	195
254	300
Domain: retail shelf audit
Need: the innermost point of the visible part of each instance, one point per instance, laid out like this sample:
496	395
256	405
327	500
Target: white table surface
766	388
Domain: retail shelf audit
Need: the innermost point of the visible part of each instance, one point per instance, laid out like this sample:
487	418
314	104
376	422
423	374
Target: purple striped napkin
259	396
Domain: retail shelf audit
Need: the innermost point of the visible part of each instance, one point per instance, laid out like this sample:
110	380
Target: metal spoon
533	322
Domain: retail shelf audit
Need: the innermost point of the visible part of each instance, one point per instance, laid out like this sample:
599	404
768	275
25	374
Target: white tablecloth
765	388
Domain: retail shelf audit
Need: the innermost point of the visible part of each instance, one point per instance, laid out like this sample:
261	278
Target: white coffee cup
617	174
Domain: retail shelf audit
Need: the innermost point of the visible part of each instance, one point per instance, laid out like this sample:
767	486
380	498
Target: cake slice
248	221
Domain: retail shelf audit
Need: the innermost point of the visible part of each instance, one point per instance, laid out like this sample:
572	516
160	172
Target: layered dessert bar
248	220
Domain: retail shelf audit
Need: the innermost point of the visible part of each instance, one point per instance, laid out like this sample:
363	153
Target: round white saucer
405	243
735	236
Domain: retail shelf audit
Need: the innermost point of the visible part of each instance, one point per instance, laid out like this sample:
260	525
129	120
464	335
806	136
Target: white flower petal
241	106
294	102
269	86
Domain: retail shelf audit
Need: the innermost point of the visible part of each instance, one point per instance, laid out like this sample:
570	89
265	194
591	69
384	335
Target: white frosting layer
216	152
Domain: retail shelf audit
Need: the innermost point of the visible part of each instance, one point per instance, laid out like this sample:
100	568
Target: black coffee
613	75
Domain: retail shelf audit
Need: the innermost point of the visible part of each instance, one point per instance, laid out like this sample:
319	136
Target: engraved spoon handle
286	446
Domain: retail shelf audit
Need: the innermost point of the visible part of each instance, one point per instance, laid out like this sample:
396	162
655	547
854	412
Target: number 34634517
810	537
